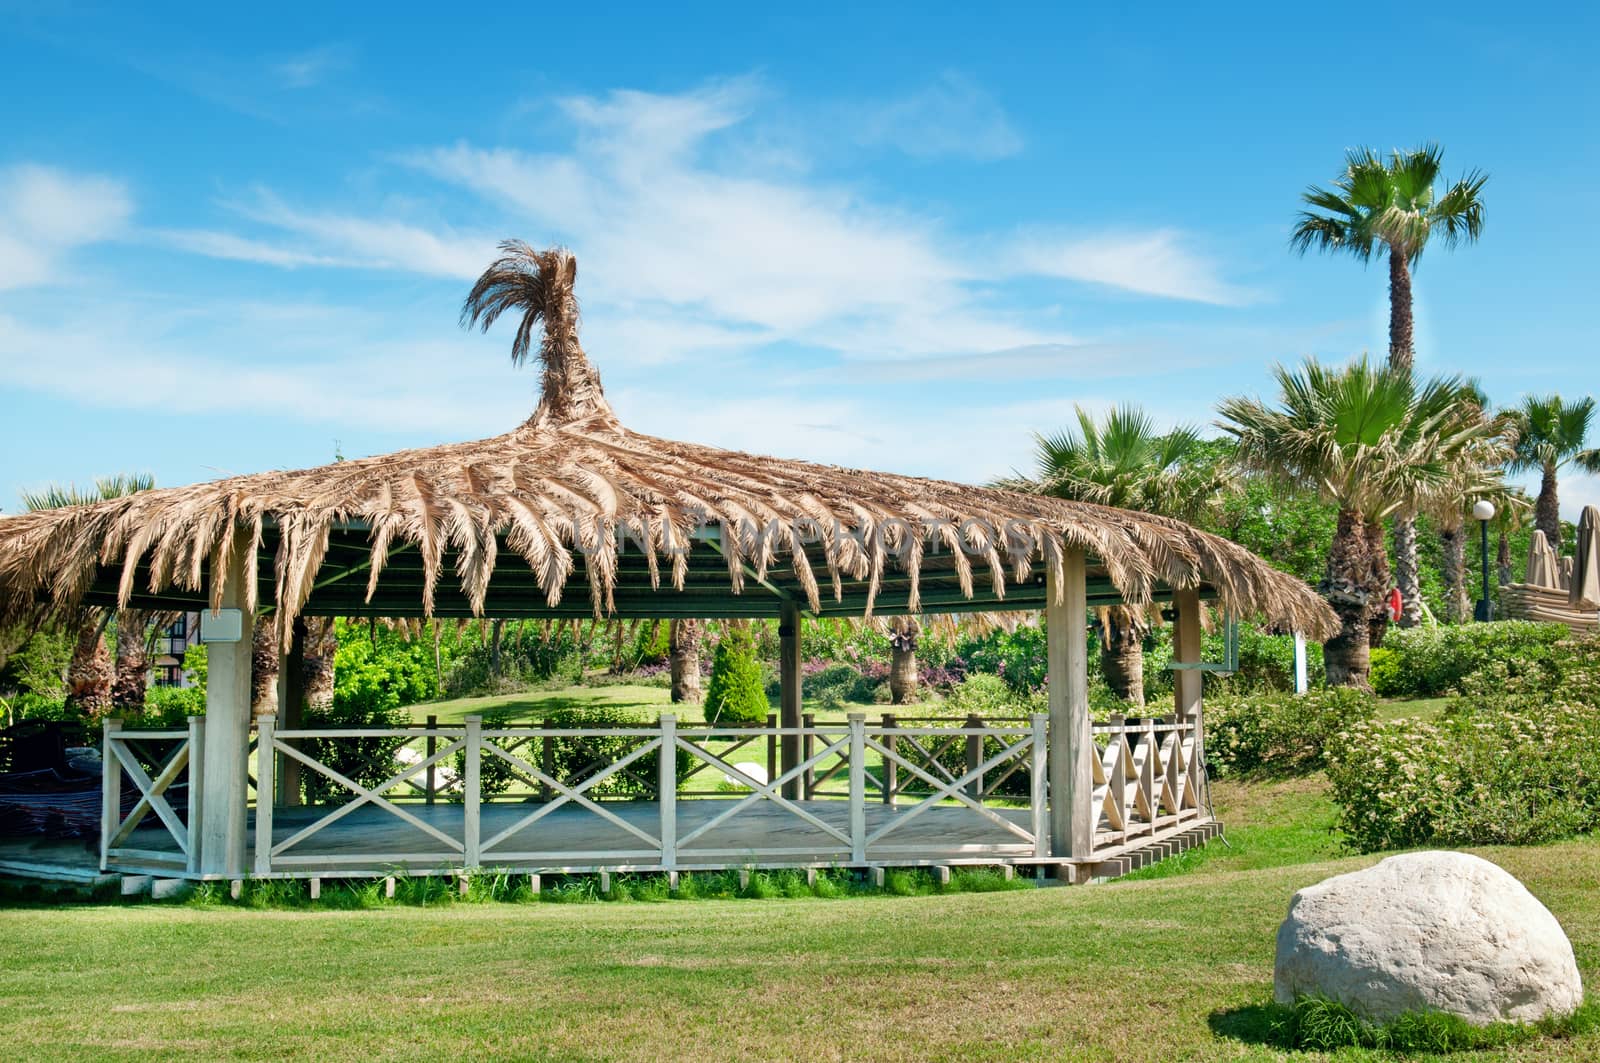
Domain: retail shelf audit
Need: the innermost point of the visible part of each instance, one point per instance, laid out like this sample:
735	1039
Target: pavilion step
1161	849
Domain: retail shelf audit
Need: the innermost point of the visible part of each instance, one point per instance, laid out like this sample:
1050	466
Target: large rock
1427	932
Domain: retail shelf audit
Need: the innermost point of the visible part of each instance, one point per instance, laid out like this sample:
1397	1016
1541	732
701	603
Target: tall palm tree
1393	205
1551	434
1371	441
683	653
1124	461
96	684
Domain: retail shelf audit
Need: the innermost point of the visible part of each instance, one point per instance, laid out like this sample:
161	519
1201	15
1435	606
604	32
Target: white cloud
45	213
310	68
1150	263
1576	491
952	117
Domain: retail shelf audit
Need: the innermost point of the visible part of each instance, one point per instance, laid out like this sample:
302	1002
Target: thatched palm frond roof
647	527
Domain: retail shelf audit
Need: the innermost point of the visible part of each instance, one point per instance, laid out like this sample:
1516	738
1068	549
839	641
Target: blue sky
233	241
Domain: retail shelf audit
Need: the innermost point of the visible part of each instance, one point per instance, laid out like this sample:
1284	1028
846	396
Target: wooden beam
1071	744
291	709
1187	683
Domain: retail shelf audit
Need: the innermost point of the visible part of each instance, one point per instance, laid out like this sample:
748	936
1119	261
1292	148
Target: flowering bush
1279	734
1515	759
1424	661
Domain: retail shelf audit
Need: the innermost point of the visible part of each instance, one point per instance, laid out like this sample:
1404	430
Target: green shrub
368	761
574	758
1514	760
1317	1025
832	686
987	696
736	694
1277	734
1429	661
169	708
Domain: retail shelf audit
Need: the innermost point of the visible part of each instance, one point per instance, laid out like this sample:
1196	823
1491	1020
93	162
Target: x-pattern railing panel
569	794
761	790
152	791
955	786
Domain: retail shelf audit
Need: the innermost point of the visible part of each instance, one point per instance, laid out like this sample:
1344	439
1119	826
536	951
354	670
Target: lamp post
1483	509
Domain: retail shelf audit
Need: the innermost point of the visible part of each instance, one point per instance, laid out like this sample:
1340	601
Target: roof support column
1071	743
291	708
789	699
225	777
1187	683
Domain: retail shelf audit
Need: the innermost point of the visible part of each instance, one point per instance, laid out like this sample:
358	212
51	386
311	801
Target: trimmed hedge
1429	661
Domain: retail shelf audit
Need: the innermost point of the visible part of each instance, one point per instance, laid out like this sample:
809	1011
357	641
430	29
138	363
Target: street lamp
1483	509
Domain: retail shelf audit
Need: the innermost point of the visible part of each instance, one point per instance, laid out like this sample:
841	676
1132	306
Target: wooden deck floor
572	838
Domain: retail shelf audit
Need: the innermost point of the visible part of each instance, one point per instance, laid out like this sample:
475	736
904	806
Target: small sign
225	625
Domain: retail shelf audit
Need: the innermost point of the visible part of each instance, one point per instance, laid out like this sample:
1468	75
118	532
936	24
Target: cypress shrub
736	693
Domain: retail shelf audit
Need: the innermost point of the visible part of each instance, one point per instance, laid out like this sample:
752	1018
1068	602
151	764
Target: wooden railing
652	797
157	763
1148	780
671	823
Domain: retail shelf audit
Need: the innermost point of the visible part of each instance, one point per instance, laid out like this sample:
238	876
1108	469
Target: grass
1165	968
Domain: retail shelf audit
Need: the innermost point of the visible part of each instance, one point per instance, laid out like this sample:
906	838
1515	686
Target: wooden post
1038	769
266	761
471	801
547	760
291	709
111	793
224	809
974	756
772	746
432	747
858	787
667	790
1188	682
197	787
891	770
807	748
1301	684
789	685
1071	743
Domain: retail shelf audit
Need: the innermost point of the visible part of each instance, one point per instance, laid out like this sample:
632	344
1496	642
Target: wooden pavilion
572	515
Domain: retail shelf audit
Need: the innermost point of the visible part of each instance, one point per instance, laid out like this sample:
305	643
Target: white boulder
1435	931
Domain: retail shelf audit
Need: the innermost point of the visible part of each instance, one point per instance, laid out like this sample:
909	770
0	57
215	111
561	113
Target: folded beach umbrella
1585	590
1541	562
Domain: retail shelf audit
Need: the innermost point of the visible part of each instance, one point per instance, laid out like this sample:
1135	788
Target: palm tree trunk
1122	653
1379	580
89	673
264	672
683	642
132	670
497	631
903	661
1457	602
1547	510
1407	571
1402	349
1346	586
322	643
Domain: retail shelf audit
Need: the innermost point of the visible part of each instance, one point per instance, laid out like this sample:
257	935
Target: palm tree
94	683
683	651
904	634
1551	433
1124	461
1372	442
1392	204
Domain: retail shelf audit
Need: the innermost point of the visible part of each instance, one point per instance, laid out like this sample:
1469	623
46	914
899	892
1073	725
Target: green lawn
1161	969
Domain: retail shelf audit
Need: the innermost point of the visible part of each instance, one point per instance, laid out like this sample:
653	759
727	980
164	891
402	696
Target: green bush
1279	734
988	696
1429	661
736	694
169	708
1514	760
832	686
573	759
368	761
